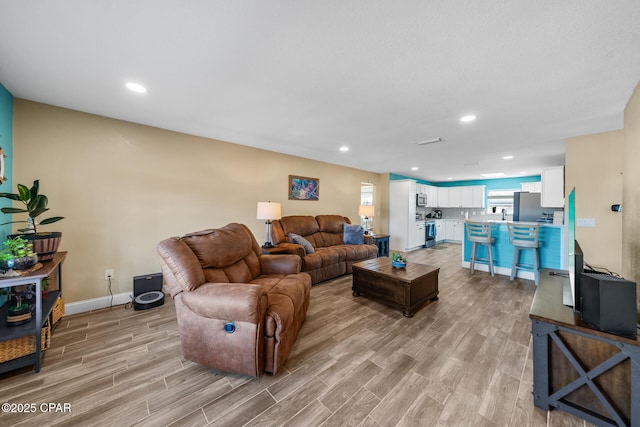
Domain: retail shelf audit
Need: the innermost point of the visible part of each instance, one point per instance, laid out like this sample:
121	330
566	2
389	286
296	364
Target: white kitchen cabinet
440	232
402	214
454	230
421	189
449	230
432	196
478	196
531	187
466	197
455	197
443	197
552	187
458	231
417	235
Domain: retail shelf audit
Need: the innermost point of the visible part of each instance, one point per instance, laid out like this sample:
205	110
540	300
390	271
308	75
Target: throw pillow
308	247
353	234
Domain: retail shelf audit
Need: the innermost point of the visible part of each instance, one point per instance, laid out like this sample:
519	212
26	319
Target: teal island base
552	250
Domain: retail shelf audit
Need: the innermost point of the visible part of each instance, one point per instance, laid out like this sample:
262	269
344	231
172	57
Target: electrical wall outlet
108	274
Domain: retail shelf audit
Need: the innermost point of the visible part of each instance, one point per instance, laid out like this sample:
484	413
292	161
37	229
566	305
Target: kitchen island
552	250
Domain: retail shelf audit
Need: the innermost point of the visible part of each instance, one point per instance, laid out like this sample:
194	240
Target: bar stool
479	233
524	235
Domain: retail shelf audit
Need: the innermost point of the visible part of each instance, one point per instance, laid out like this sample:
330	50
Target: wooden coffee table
405	288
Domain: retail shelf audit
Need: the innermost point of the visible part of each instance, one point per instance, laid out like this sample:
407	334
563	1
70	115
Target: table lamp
366	211
268	211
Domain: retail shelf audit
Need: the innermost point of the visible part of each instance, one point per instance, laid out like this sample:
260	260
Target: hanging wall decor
303	188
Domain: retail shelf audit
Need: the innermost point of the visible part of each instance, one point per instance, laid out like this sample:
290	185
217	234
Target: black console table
44	307
591	374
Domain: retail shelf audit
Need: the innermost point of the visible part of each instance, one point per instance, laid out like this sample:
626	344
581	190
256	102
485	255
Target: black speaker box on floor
147	291
609	303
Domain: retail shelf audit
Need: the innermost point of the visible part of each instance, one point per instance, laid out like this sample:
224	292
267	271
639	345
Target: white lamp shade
366	210
269	210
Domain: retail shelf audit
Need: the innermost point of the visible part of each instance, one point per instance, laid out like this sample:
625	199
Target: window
500	199
366	193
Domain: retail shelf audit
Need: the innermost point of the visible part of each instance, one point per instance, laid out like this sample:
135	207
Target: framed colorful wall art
303	188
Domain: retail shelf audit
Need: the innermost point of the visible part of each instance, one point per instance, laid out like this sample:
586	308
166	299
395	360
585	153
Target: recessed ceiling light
468	118
415	168
344	148
507	157
523	173
493	175
136	87
449	178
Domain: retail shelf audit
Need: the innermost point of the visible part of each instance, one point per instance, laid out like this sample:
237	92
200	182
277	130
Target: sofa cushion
353	234
296	238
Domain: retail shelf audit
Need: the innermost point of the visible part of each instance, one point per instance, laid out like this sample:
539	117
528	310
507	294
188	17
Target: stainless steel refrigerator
526	206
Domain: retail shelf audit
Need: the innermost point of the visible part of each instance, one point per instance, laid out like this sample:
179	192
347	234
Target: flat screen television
571	294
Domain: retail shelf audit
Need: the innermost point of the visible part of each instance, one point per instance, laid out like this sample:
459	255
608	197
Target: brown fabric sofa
237	310
331	257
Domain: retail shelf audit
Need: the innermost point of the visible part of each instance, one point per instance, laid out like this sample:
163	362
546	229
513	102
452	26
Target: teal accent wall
6	142
491	184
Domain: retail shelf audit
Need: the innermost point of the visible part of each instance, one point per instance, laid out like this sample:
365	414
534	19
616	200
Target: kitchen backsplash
477	214
464	213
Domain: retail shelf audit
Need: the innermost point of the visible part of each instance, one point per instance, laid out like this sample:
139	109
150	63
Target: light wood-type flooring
464	360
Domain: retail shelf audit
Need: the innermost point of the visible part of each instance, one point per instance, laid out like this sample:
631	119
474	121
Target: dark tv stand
588	373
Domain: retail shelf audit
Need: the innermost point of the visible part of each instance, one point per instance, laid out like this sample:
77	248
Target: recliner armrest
280	264
292	248
228	301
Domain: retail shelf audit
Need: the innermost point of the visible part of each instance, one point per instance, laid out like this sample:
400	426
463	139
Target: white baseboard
96	303
505	271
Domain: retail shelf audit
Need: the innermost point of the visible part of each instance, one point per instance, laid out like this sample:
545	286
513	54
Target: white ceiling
305	77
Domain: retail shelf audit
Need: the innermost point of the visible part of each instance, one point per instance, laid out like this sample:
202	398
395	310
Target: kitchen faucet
504	213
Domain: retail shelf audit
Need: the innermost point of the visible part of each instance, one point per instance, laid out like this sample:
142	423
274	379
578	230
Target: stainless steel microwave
421	200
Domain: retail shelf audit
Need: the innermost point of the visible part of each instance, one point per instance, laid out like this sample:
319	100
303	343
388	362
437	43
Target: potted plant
398	261
35	204
17	254
21	305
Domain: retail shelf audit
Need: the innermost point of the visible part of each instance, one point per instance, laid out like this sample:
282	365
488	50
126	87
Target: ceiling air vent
430	141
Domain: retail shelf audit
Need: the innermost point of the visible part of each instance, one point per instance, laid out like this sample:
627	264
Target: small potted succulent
17	253
398	261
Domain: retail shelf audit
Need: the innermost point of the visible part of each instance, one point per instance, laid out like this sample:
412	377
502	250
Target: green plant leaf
11	196
39	203
24	193
51	220
13	210
34	189
35	212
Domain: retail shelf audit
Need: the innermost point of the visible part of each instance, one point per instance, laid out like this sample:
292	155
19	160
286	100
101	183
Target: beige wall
598	181
631	192
123	187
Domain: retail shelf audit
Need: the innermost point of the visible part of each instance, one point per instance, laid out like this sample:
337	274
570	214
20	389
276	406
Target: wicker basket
23	346
58	310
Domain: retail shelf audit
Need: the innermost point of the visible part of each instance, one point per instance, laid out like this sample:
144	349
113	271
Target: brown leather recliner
237	309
